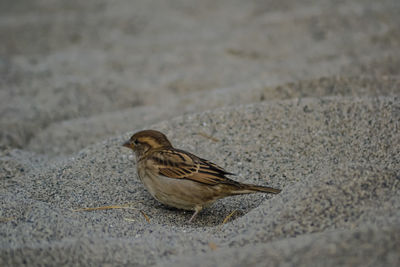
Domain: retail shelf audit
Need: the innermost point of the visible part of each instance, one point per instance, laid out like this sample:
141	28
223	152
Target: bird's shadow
222	211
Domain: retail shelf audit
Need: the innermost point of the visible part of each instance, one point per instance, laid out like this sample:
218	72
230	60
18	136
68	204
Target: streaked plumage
180	179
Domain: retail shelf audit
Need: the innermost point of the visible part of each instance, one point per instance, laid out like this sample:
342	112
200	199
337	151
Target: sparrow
180	179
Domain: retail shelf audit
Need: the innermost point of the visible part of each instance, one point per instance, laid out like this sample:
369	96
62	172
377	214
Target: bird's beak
127	144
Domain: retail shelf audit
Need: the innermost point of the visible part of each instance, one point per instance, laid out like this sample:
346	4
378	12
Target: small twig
6	219
145	216
228	217
127	206
208	136
105	208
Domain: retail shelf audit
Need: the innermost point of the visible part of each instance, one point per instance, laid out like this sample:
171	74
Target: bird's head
144	141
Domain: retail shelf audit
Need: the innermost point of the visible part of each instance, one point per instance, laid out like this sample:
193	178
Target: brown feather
249	188
179	164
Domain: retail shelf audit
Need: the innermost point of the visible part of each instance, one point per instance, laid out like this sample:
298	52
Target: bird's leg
197	209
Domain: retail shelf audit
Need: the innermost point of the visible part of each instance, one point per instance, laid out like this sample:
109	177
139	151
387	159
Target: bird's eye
136	142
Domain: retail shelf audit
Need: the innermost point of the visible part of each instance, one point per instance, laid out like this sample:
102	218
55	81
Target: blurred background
73	73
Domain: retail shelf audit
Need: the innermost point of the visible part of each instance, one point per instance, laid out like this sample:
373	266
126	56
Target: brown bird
182	180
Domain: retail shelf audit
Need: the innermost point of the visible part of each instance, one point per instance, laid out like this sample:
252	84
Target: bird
179	179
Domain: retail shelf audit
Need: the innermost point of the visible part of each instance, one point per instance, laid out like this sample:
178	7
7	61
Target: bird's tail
249	188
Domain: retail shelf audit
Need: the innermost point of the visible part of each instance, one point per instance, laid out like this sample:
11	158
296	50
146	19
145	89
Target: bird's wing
179	164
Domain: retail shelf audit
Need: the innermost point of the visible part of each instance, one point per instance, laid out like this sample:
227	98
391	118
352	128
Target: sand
298	95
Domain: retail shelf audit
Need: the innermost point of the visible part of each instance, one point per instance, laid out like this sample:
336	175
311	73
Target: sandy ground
299	95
